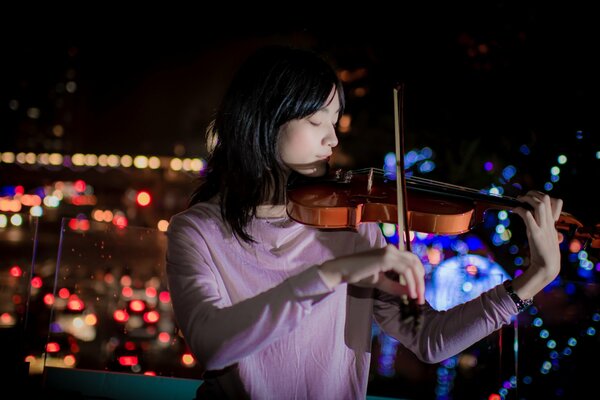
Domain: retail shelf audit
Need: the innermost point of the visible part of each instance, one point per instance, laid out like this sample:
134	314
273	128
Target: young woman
275	309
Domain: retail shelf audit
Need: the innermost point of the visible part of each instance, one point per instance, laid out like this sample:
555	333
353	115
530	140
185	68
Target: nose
331	139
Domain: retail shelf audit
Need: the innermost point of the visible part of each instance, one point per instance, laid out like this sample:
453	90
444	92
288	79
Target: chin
313	171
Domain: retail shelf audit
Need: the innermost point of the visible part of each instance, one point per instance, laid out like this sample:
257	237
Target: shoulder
197	218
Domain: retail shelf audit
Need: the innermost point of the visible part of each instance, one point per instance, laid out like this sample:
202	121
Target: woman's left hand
543	242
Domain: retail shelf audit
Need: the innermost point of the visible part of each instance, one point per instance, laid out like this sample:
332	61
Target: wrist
329	274
522	304
531	282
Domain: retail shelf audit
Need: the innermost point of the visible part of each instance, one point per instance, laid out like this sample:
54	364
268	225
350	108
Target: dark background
481	80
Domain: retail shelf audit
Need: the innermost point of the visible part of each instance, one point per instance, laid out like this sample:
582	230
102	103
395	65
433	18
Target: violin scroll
590	236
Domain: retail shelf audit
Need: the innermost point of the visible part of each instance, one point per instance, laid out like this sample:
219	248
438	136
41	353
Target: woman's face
306	144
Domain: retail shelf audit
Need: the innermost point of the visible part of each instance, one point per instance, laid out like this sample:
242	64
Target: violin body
346	203
345	199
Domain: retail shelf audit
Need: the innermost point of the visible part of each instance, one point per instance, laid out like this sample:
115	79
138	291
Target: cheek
284	148
293	147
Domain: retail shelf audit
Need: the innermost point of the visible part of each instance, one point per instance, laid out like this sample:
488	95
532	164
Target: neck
273	206
270	211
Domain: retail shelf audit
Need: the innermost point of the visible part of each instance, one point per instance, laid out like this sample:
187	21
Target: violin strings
431	183
416	179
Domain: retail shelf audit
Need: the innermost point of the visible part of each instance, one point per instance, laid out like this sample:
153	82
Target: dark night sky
481	80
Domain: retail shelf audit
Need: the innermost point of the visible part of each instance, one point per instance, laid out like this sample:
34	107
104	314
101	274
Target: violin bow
409	308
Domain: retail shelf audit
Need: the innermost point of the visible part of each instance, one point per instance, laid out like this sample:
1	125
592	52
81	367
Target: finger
552	208
528	218
536	193
411	285
557	205
416	269
552	204
419	273
411	277
391	286
536	204
547	208
540	203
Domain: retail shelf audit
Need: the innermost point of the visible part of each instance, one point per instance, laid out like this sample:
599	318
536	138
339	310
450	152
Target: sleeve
218	334
374	238
446	333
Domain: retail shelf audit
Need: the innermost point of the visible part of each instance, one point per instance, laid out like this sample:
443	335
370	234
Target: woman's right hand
368	269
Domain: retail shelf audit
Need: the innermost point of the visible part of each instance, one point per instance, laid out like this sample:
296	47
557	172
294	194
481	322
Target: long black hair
275	85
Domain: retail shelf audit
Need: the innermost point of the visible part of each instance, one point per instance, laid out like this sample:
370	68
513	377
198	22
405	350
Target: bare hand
369	268
542	237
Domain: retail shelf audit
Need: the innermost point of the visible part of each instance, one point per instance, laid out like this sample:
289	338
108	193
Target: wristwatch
520	303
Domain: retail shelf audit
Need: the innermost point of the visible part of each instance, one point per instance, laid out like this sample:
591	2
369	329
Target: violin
345	199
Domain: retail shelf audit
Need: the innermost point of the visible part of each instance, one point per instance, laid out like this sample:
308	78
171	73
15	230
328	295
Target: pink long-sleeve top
262	316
